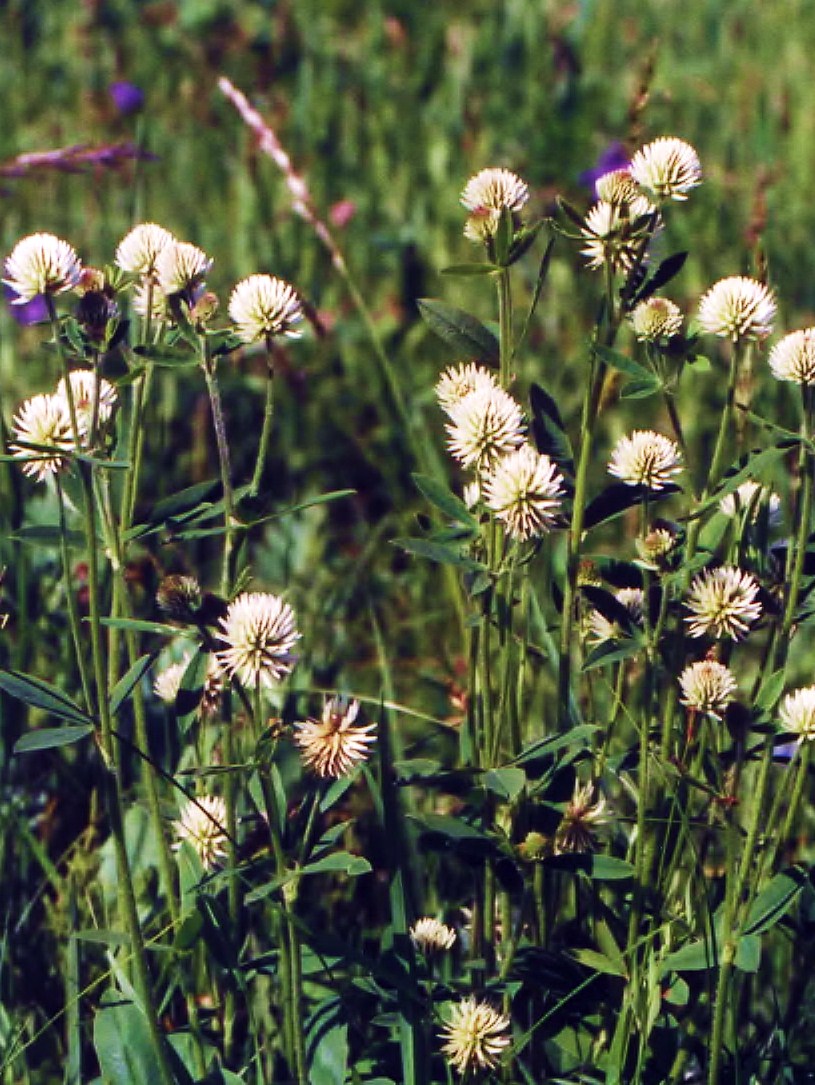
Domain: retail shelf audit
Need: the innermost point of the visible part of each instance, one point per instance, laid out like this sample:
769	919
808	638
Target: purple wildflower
30	312
127	97
613	157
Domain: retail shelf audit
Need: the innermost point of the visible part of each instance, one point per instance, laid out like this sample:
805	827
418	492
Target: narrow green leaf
507	783
774	901
339	862
641	389
460	330
444	500
165	355
39	694
598	962
128	682
603	868
433	551
122	1040
470	269
617	498
139	626
622	362
50	738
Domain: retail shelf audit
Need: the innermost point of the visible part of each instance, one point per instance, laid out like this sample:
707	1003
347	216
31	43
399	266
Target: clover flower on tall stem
723	602
41	264
42	420
485	424
667	167
486	195
524	489
259	633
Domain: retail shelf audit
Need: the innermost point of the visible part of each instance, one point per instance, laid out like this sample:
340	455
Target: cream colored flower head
484	425
611	236
202	824
601	629
707	687
42	420
168	681
723	602
262	306
797	713
793	357
738	308
335	744
577	832
41	264
645	458
667	167
656	320
260	634
138	251
85	395
486	195
431	936
752	495
475	1036
181	267
524	490
619	187
457	381
655	546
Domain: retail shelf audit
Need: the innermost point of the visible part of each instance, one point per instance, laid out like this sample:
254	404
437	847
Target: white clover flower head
431	936
668	167
475	1036
752	495
793	357
168	681
737	308
722	602
645	458
484	425
42	420
181	267
707	687
335	744
457	381
84	394
524	490
797	713
577	832
139	249
656	320
618	187
611	235
601	629
260	633
263	306
486	195
41	264
201	824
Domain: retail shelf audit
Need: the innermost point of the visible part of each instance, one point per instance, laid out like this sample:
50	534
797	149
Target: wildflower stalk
70	596
111	779
717	463
268	414
208	365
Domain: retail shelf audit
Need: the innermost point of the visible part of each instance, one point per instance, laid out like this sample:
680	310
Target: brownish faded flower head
335	744
577	832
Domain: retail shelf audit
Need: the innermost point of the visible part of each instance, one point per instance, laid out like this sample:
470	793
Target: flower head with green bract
645	458
524	490
668	167
486	195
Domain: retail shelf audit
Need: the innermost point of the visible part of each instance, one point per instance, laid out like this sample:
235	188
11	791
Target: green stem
112	787
70	596
208	364
505	327
268	415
